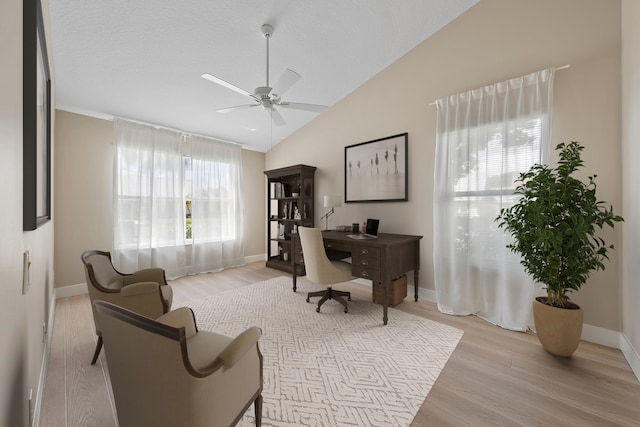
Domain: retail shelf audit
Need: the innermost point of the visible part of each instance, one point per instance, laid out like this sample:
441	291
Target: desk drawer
366	273
366	258
338	246
366	263
365	252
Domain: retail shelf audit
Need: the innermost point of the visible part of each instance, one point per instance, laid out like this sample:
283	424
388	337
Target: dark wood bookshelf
282	204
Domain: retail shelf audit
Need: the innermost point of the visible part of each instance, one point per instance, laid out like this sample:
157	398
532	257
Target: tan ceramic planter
558	329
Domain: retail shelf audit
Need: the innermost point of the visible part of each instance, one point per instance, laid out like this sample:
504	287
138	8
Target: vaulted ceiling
143	60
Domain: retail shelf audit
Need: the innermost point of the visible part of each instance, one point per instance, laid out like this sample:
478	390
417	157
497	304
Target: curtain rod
182	132
564	67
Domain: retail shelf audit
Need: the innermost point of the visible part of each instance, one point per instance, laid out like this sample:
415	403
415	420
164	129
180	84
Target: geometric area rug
331	368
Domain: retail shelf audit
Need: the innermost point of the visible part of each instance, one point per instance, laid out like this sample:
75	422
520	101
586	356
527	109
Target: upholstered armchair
165	372
145	291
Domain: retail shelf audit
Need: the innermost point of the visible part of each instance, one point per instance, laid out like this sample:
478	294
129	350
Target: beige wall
254	183
493	41
631	176
21	316
84	182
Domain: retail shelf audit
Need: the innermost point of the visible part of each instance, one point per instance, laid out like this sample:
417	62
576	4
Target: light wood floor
495	377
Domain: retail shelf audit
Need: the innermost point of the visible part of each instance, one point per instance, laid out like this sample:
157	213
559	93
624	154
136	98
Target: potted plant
296	190
554	227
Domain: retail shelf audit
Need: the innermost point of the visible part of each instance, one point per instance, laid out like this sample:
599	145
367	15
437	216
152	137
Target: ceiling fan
265	96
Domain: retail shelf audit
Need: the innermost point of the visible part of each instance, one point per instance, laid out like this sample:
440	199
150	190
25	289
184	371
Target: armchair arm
208	352
146	275
239	346
180	317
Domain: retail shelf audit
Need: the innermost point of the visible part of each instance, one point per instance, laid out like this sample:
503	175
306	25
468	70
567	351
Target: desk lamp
330	202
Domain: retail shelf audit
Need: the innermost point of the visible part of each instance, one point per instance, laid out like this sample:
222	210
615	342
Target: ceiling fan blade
237	107
277	117
288	79
306	107
226	84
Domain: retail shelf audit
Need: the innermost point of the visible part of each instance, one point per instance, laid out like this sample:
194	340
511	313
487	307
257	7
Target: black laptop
370	232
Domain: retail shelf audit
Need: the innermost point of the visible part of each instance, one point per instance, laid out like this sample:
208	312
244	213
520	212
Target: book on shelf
274	248
273	209
274	229
277	190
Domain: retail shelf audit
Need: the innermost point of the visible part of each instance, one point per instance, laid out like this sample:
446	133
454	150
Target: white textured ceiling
142	59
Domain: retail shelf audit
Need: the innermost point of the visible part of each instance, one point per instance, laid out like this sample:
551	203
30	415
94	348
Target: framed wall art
376	171
36	119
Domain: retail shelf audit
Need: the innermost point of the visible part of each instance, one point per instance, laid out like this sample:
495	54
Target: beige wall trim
630	354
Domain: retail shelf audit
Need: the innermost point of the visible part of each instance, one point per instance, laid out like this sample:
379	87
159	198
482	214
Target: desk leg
294	275
415	282
385	304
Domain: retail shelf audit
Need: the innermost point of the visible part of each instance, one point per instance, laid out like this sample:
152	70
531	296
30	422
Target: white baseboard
428	294
71	290
44	368
601	336
630	354
255	258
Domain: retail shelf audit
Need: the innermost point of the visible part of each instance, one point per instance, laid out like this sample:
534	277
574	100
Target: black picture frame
36	119
377	170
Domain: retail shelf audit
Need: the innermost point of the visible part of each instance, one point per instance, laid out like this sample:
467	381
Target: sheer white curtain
485	138
216	207
148	229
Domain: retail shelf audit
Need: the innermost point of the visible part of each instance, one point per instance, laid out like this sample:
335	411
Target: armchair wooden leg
258	408
96	353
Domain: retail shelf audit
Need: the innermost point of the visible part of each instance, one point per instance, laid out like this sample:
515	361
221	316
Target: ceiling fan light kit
267	97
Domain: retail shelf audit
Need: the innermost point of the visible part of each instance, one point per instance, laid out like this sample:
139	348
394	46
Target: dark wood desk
382	259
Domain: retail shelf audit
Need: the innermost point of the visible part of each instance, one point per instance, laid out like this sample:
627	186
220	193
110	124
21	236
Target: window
485	139
147	197
215	210
484	181
491	167
167	204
